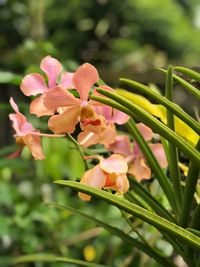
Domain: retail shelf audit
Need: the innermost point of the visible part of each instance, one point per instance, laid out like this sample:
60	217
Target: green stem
173	159
190	187
77	145
174	108
134	110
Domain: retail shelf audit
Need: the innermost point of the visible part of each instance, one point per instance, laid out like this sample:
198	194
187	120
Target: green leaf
158	256
133	110
160	223
174	108
190	73
10	78
173	159
52	258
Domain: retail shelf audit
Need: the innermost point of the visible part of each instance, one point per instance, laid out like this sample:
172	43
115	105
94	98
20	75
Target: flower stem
70	137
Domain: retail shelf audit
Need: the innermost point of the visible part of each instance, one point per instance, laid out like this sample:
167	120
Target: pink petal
119	117
83	79
159	153
58	97
34	144
37	107
66	80
33	84
139	169
122	184
94	178
14	105
87	139
108	135
121	146
105	111
64	122
114	164
20	124
52	68
146	132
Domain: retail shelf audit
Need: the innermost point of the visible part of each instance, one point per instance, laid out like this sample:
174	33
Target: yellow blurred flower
89	253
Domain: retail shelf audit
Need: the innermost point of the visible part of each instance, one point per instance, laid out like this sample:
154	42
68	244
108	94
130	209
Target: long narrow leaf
160	223
158	256
52	258
173	151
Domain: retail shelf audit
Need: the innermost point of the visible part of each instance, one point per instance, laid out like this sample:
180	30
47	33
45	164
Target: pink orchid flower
34	84
71	109
109	173
105	133
136	161
26	134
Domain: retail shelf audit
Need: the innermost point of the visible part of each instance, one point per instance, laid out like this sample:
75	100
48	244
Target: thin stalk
173	159
167	103
190	187
133	228
79	149
134	110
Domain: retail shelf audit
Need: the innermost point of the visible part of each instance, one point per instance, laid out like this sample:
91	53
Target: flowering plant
87	111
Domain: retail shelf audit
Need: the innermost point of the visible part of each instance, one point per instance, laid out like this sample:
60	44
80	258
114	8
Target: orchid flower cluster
66	109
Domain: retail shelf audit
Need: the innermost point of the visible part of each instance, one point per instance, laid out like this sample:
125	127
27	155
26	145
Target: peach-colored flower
34	84
105	133
71	109
109	173
136	160
26	134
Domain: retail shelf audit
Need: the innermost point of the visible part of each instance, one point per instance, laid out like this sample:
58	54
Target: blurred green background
121	38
